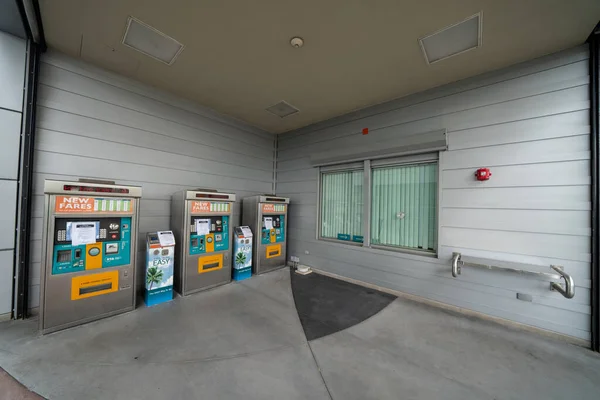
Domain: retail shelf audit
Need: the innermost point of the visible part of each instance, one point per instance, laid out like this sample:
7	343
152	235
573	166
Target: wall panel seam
153	149
153	165
444	115
41	126
152	116
458	92
216	119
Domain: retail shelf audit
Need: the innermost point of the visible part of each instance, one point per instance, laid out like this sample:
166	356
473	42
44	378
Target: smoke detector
151	42
297	42
282	109
453	40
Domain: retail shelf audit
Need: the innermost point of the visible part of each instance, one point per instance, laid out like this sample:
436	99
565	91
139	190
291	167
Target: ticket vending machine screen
209	234
111	248
273	229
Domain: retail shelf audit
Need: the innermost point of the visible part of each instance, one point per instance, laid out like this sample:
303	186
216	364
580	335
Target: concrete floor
244	340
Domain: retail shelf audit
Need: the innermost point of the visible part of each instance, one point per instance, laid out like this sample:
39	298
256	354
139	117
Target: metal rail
568	290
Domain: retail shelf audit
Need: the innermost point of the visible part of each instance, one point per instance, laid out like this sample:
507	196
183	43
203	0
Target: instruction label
83	233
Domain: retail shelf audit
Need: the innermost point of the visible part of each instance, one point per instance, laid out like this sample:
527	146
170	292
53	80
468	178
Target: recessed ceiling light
297	42
282	109
150	41
453	40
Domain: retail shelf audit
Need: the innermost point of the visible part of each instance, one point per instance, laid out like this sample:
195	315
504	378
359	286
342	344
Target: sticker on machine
271	208
209	207
92	205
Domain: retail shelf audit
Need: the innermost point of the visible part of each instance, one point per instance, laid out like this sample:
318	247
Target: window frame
368	166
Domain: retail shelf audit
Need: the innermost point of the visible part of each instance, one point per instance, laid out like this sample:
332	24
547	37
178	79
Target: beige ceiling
238	60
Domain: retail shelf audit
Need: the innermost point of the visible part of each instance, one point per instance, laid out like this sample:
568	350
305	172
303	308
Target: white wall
12	77
95	124
529	124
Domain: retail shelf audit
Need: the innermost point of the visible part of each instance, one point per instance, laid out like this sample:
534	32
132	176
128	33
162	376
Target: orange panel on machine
93	256
210	263
273	250
91	285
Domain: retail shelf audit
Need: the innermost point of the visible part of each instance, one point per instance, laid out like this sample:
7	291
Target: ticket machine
267	217
201	222
89	250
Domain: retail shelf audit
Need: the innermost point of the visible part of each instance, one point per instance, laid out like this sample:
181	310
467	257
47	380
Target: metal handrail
455	266
568	291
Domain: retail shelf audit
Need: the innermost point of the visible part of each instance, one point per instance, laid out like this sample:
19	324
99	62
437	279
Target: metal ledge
567	291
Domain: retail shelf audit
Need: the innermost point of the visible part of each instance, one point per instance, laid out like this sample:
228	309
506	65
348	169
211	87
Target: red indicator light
212	196
94	189
365	131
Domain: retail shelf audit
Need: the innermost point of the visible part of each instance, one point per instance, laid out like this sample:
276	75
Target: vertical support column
275	161
594	43
12	71
22	259
367	204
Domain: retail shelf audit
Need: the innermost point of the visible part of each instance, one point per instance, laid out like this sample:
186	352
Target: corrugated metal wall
94	124
12	78
530	124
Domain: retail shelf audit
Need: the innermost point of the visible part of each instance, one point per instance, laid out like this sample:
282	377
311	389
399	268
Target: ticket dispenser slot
267	216
202	220
88	266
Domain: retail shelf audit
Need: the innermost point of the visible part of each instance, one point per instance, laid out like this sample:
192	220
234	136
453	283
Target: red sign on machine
88	205
271	208
268	207
200	206
74	204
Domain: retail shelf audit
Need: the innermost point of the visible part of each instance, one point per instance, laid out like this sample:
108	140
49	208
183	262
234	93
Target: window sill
345	242
423	253
375	249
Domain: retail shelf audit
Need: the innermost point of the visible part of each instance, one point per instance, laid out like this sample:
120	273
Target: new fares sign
72	204
271	208
203	207
89	205
200	206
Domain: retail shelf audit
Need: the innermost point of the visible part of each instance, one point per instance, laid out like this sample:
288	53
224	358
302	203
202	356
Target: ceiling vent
452	40
145	39
283	109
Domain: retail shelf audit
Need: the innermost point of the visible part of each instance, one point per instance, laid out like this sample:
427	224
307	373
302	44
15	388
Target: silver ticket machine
89	252
201	222
267	217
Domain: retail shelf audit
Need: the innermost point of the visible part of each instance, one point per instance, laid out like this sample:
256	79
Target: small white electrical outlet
306	252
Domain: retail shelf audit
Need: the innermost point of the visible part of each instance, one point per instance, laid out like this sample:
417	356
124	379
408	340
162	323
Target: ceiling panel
238	60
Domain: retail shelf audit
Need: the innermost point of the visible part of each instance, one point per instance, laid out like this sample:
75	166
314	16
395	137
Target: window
402	197
403	206
342	205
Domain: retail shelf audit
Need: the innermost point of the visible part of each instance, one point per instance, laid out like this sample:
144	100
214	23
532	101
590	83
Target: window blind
404	206
342	205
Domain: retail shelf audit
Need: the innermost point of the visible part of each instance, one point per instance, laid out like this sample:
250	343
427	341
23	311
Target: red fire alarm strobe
483	174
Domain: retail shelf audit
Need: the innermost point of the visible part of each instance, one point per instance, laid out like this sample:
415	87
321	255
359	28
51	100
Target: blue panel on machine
111	249
273	229
214	237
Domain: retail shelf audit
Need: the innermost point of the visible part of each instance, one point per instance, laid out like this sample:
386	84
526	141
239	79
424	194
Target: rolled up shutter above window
377	145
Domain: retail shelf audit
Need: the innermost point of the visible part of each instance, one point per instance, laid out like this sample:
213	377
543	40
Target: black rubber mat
327	305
